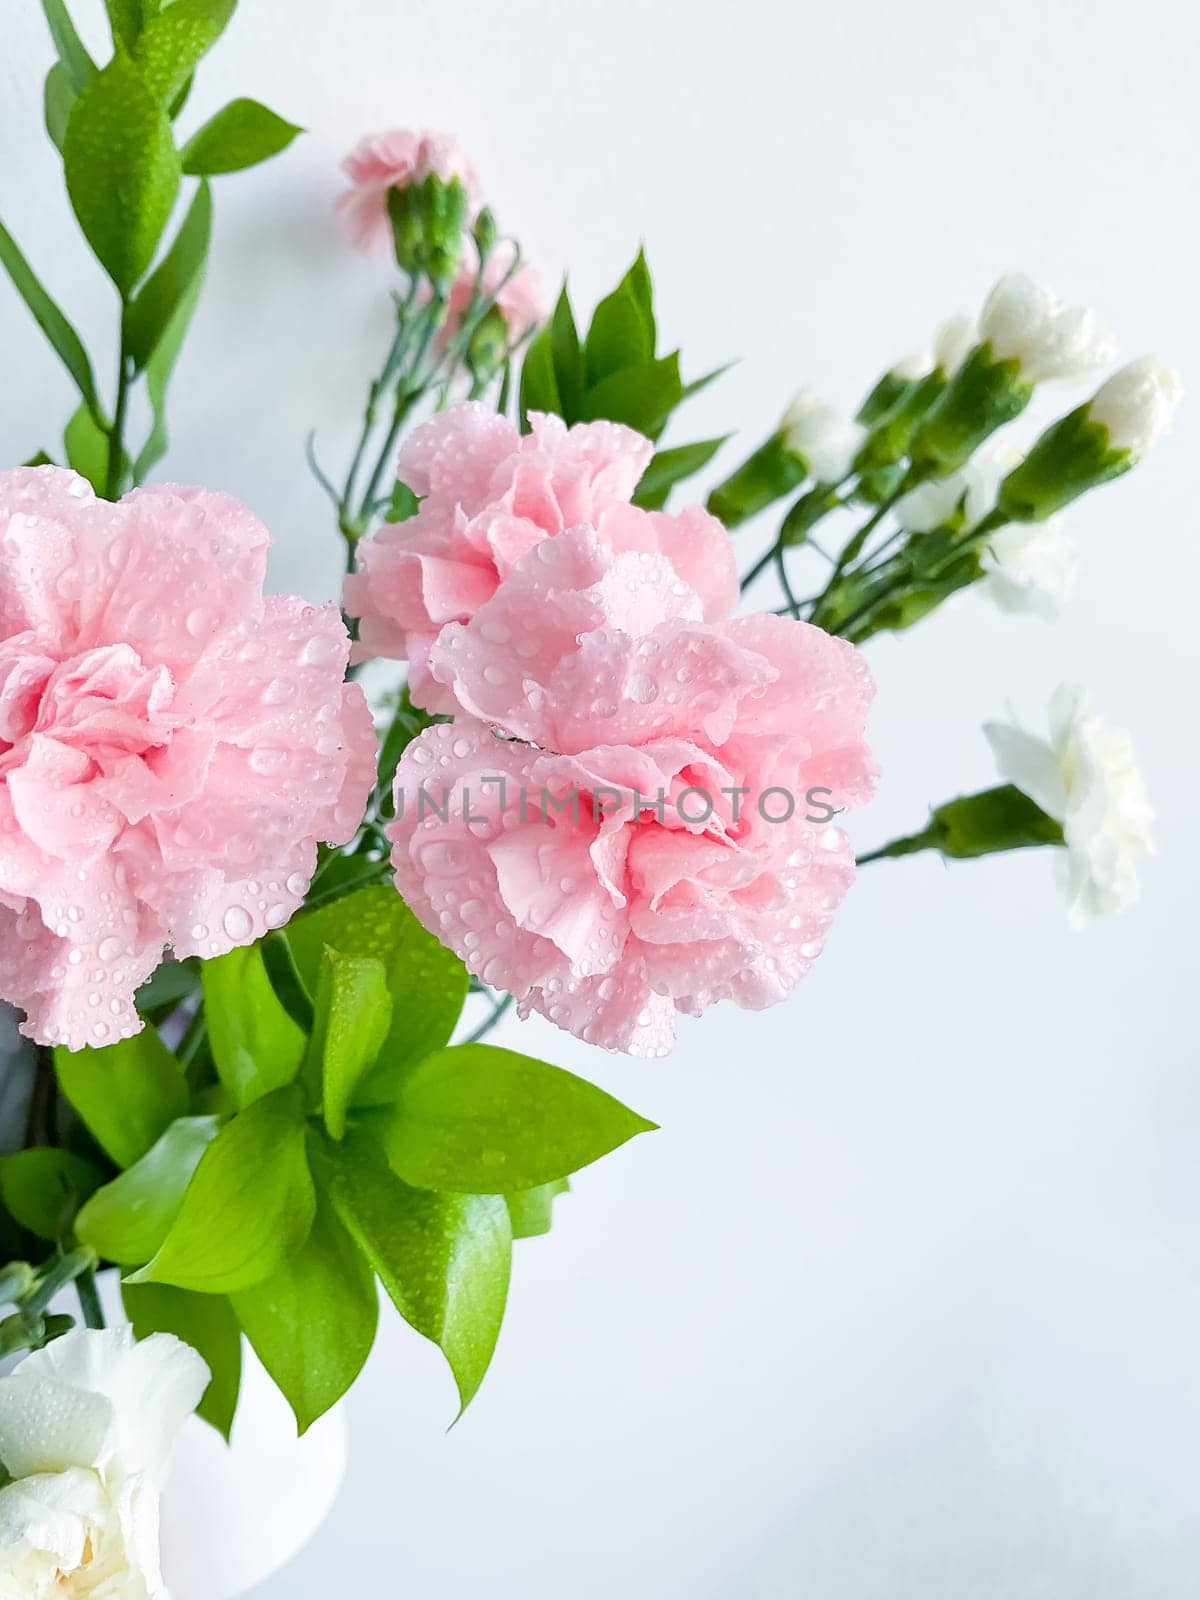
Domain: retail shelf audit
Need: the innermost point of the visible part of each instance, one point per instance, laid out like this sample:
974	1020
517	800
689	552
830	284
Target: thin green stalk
116	435
485	1027
89	1298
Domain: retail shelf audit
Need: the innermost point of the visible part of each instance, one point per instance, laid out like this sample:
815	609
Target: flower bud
821	436
1137	405
893	386
1025	322
1094	443
486	233
983	395
427	227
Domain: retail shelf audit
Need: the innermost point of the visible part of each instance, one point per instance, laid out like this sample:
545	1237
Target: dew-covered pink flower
172	744
635	818
396	160
489	496
521	297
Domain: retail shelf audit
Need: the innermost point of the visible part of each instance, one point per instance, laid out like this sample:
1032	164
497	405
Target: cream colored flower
1086	776
827	439
1025	321
1138	404
87	1427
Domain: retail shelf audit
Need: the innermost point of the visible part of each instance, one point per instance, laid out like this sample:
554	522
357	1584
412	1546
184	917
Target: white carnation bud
1137	405
953	342
1025	322
913	367
825	437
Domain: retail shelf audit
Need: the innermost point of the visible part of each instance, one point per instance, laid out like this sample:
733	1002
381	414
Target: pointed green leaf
427	983
480	1120
242	134
353	1016
539	386
42	1188
174	41
640	285
249	1207
532	1210
172	282
443	1259
58	97
86	448
128	1219
670	467
161	364
75	60
619	336
122	170
255	1044
207	1323
127	1094
63	339
641	397
312	1323
568	358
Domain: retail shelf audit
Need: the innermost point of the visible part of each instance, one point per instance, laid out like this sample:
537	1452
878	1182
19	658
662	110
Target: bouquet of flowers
260	926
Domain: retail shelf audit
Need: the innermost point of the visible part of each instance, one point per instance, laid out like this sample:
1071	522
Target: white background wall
904	1300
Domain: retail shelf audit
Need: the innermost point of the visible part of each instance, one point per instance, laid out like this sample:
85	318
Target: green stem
116	435
908	846
485	1027
974	536
89	1299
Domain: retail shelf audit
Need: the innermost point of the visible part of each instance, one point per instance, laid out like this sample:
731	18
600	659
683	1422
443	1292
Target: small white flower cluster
1086	776
87	1427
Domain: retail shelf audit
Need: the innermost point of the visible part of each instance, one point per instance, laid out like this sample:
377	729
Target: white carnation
827	439
1086	776
1025	321
1138	404
87	1427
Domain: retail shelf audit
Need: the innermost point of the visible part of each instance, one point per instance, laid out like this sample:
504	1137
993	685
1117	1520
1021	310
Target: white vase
232	1514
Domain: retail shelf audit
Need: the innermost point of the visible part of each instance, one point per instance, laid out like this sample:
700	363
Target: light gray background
904	1300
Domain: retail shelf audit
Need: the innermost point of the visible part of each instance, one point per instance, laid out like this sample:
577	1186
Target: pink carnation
172	744
489	496
568	883
521	299
394	160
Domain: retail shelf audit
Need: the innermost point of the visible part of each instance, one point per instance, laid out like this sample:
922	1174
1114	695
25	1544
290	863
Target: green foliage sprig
114	125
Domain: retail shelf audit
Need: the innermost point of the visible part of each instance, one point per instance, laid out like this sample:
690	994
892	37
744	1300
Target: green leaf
75	60
122	170
402	505
443	1259
670	467
354	1014
568	358
41	459
127	1094
207	1323
161	364
242	134
289	986
174	41
539	386
58	97
176	278
642	396
427	983
63	339
532	1210
248	1208
255	1044
312	1324
86	448
126	20
620	335
999	819
128	1219
166	986
43	1187
477	1119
